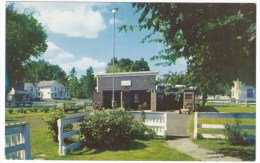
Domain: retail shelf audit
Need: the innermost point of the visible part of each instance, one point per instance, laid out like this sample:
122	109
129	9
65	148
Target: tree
25	39
36	71
73	83
87	84
127	65
217	40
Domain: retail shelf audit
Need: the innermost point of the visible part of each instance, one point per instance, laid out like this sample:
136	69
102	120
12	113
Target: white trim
121	74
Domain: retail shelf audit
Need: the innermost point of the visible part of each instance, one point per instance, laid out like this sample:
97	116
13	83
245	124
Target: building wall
242	92
31	89
137	82
46	92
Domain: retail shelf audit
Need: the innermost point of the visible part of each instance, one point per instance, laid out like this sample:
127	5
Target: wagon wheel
96	106
190	106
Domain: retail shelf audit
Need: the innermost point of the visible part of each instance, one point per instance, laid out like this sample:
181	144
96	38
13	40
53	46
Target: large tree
87	84
127	65
217	40
36	71
73	83
25	38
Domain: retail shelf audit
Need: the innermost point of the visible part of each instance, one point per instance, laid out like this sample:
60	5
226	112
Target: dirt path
181	140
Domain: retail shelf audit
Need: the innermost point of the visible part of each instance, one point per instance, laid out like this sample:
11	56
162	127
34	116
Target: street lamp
114	10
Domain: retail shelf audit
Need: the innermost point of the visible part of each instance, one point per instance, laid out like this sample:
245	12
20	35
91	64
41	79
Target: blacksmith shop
130	89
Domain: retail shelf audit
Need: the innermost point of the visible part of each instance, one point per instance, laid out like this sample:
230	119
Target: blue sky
80	35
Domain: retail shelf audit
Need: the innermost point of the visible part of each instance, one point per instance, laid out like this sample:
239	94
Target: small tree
233	133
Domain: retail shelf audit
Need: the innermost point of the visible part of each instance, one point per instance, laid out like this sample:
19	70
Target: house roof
30	84
46	83
139	73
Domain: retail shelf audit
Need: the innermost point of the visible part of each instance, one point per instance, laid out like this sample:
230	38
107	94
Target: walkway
181	140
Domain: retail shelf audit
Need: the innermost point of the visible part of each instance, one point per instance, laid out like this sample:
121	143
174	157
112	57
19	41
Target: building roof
29	84
138	73
46	83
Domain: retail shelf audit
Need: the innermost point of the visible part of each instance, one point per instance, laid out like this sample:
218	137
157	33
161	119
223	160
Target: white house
243	92
51	90
32	89
45	90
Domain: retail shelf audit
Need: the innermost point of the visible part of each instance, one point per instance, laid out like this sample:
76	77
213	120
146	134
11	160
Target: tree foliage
127	65
87	84
25	38
36	71
218	40
73	83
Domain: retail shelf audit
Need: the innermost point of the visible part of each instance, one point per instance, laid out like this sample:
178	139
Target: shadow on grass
135	145
207	109
242	153
172	137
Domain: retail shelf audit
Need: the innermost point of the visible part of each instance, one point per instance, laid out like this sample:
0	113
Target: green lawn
43	147
246	153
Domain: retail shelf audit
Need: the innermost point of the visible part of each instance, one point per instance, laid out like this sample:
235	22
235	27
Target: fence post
27	142
195	125
165	122
60	137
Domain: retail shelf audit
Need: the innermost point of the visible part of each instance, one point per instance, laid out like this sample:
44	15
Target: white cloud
71	19
111	21
66	60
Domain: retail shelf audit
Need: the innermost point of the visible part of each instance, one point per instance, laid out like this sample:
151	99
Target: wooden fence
156	121
230	102
220	126
17	141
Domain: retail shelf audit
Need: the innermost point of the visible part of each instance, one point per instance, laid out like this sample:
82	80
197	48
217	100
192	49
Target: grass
246	152
42	145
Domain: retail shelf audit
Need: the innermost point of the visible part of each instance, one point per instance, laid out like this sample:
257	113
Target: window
136	97
188	96
250	93
31	89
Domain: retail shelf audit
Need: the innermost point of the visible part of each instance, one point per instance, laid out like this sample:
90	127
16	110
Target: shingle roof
46	83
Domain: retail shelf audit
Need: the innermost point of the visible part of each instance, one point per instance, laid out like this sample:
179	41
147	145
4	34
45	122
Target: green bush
34	109
10	111
45	109
234	134
51	122
114	128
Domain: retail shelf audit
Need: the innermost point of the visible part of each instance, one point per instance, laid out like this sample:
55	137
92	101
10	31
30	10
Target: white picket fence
220	126
155	120
17	141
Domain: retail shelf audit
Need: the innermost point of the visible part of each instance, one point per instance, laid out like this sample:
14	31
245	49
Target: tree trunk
204	98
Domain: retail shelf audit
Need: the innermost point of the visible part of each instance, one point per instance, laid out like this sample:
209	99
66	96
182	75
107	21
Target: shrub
233	133
34	109
10	111
51	122
111	129
45	109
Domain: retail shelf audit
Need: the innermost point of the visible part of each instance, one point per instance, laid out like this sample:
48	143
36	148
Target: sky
80	34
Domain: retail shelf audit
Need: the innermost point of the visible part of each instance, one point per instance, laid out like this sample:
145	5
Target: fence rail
17	141
156	121
230	102
220	126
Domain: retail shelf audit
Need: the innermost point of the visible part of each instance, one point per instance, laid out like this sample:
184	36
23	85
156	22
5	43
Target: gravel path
181	140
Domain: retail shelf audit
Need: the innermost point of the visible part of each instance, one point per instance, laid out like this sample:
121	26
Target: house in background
45	90
32	89
242	92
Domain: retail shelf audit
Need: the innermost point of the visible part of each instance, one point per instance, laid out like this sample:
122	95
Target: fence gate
17	141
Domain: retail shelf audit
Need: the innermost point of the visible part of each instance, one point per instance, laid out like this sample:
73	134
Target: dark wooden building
130	88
